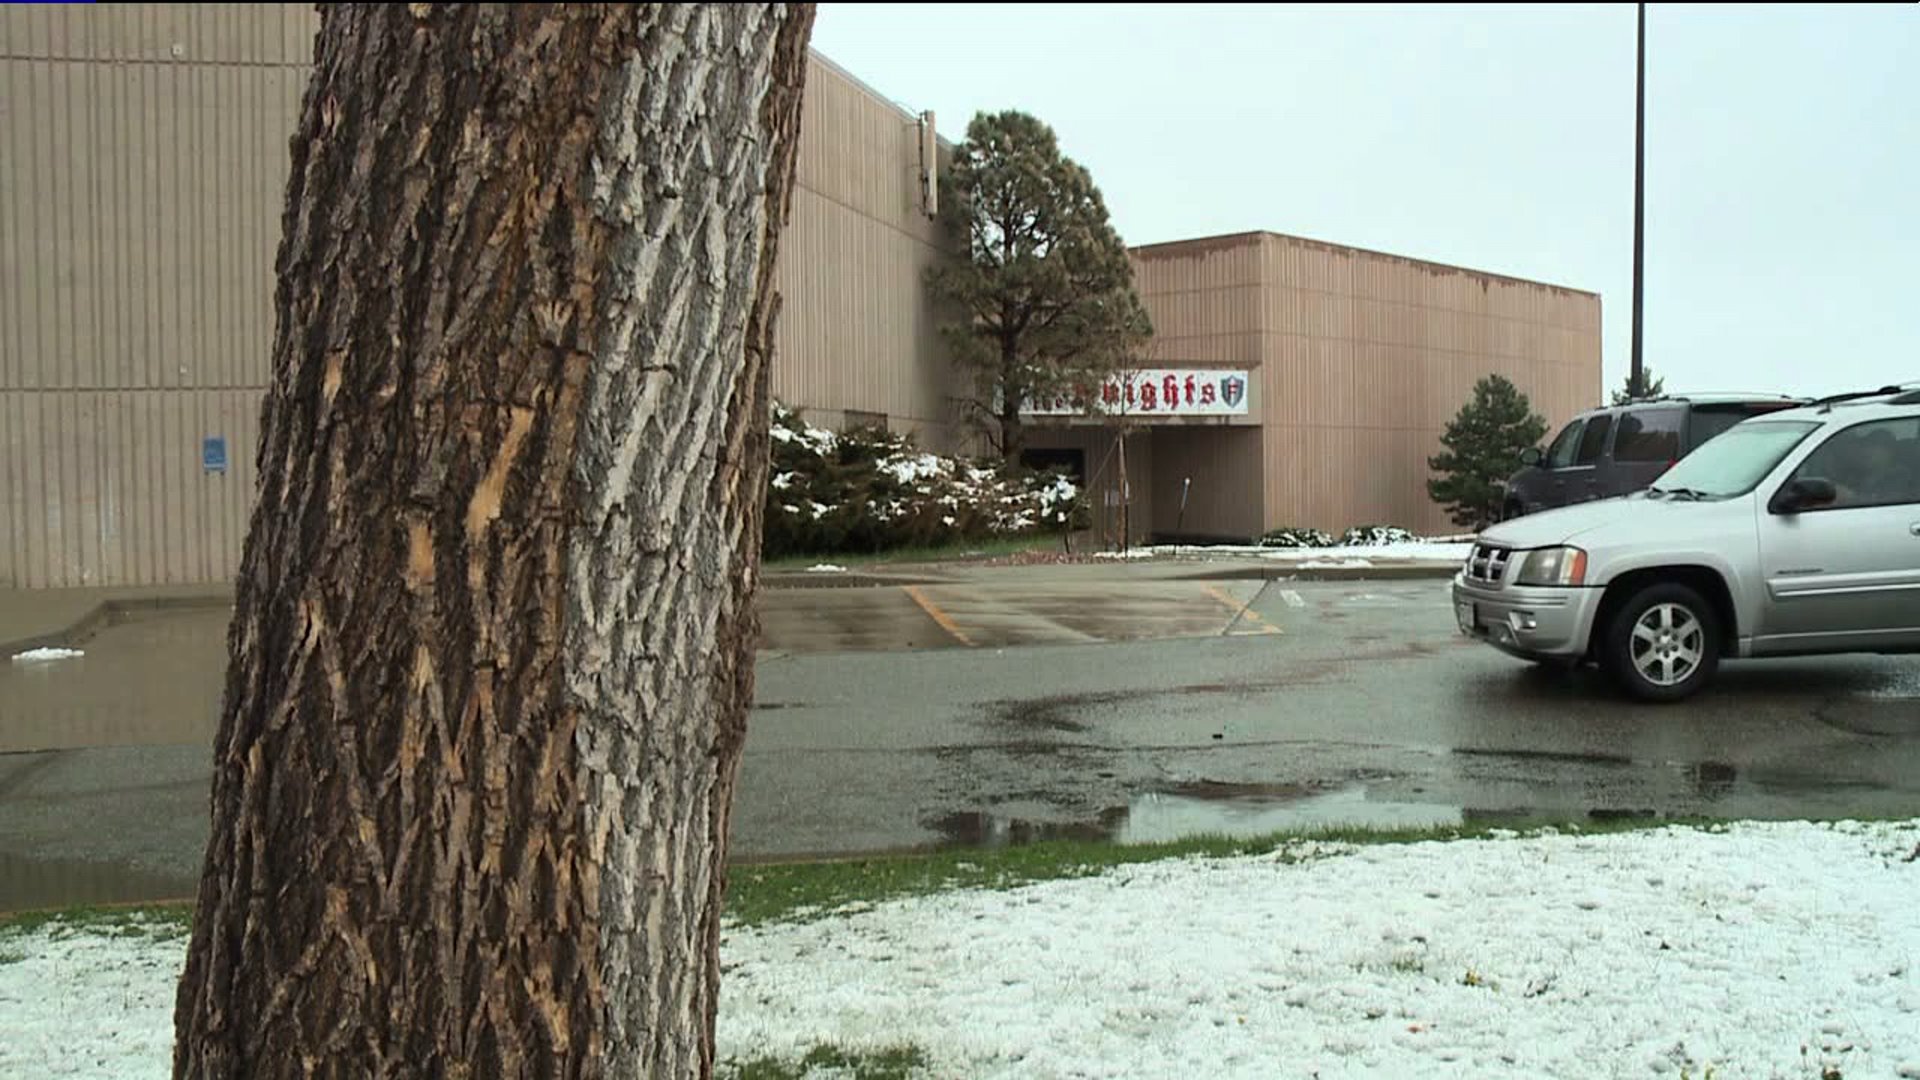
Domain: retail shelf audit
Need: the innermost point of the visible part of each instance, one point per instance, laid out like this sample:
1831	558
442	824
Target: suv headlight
1554	566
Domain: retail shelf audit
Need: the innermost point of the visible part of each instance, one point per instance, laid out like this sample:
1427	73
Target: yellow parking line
942	618
1241	611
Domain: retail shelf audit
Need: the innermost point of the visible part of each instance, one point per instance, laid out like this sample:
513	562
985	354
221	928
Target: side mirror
1531	457
1805	493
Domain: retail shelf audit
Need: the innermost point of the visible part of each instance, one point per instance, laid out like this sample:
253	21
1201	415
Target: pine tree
1483	445
1038	278
1655	387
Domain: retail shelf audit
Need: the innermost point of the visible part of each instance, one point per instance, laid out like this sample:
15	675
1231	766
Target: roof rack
1827	403
1717	395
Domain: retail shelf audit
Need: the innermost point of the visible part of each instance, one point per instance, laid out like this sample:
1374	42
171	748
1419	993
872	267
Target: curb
107	613
840	581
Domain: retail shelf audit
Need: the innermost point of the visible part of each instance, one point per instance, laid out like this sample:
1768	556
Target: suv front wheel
1663	644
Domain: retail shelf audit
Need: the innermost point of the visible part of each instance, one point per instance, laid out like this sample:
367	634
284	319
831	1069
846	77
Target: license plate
1469	618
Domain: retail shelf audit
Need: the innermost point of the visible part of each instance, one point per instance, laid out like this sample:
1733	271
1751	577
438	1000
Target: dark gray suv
1624	448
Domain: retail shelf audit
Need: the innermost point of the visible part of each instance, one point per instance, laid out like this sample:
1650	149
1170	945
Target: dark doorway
1069	460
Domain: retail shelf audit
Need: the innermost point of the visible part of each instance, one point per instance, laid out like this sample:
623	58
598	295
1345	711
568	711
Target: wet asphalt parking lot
988	706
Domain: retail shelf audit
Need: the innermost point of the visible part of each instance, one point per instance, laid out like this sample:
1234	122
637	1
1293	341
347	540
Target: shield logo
1233	389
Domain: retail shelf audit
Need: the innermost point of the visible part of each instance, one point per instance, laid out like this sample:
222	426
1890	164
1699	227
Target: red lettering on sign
1206	394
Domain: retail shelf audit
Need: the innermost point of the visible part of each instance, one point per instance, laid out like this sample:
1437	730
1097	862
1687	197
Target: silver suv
1792	534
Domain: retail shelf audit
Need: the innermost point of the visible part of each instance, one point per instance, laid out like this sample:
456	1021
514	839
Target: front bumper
1535	623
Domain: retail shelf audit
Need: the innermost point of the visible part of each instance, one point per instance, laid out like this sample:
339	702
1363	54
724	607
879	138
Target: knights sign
1156	392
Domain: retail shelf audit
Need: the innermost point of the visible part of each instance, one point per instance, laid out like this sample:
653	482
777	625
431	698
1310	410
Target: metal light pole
1637	378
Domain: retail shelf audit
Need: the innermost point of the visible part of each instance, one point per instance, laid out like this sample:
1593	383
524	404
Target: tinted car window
1560	454
1712	420
1648	435
1595	440
1875	464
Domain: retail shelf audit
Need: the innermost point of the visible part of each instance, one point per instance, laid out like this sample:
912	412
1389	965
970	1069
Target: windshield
1734	463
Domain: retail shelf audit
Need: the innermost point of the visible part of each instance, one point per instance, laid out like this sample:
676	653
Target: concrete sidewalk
50	618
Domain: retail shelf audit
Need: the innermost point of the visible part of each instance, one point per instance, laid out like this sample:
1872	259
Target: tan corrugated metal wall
143	157
1224	500
857	329
139	214
1363	358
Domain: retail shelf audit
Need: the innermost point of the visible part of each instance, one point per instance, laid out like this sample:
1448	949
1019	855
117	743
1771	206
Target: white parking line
1292	598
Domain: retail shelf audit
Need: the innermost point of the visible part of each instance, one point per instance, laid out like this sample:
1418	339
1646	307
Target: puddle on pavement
1156	818
153	678
32	884
1205	810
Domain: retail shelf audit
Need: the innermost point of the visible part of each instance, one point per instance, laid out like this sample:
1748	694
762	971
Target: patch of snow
1419	551
820	510
36	656
1424	551
1335	564
818	440
908	469
1658	952
826	568
88	1006
1130	553
782	481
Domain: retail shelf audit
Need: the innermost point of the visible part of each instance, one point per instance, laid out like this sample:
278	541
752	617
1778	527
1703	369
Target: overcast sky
1783	150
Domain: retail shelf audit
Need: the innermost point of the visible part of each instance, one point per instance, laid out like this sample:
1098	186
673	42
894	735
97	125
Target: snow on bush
1296	538
1358	536
870	489
1376	535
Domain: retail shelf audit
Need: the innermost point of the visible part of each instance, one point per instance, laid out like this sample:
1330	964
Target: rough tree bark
492	650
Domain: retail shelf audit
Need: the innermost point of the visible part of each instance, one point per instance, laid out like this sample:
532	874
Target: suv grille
1488	565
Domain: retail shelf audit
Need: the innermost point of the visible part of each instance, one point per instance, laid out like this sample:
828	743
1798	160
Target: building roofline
871	91
1166	246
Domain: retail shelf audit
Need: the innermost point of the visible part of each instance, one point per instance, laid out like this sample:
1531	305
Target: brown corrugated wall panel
1363	357
141	177
141	171
1224	499
857	328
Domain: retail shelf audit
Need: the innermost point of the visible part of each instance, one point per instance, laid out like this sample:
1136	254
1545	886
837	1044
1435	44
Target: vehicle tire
1663	644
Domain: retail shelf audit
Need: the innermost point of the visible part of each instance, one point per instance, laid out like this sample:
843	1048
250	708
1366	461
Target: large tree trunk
491	656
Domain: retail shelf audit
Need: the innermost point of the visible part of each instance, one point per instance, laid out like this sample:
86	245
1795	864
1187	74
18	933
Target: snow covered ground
1450	551
39	656
1775	950
1446	551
